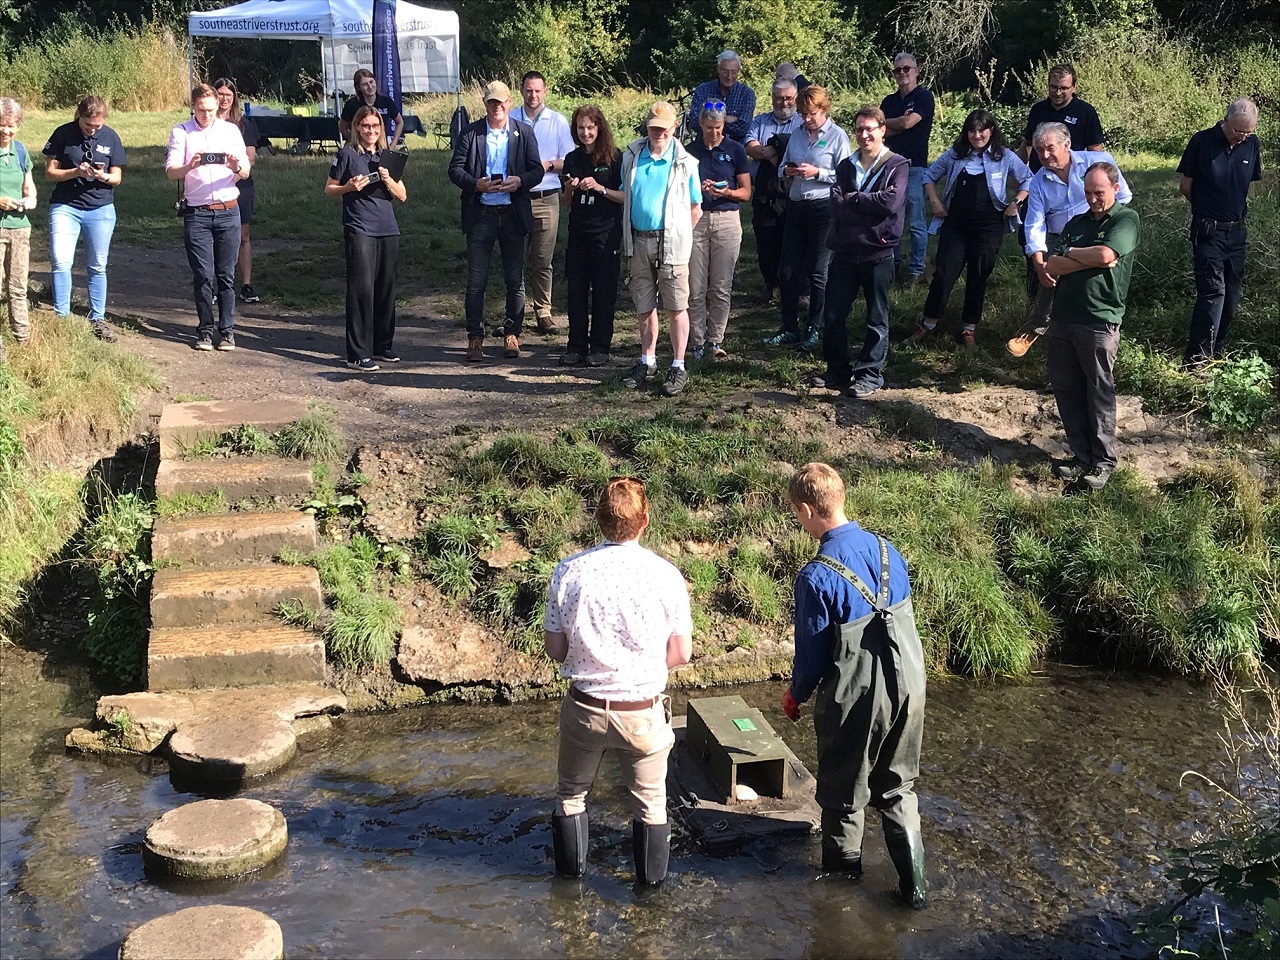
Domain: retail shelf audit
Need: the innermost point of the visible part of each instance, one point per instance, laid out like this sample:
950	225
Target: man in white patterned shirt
617	618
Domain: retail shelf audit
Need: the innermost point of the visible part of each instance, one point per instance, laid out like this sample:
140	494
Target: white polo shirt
555	141
618	604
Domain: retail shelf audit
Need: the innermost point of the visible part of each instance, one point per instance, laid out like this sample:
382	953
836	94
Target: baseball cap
661	114
497	90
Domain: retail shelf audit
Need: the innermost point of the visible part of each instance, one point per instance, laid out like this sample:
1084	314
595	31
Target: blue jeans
65	224
495	223
845	279
212	239
915	224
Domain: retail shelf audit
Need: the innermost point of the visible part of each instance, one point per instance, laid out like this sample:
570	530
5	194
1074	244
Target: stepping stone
215	597
184	424
232	748
206	933
238	479
229	538
215	839
233	656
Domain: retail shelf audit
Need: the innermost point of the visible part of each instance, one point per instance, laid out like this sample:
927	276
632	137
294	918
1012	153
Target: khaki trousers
542	248
642	740
15	258
716	241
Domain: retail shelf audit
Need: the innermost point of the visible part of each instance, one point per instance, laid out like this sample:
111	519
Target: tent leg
191	62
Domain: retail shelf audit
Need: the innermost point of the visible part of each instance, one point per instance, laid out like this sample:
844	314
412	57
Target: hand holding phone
374	177
721	184
212	158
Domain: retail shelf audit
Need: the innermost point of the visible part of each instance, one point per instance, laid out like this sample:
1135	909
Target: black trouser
768	226
1218	258
804	256
847	278
593	264
371	295
973	245
498	223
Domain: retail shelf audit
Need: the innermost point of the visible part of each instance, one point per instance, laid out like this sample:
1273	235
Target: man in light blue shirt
768	200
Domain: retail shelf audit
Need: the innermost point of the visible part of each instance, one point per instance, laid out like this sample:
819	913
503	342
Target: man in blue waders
858	650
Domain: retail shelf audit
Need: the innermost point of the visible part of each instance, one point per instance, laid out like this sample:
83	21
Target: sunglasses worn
713	105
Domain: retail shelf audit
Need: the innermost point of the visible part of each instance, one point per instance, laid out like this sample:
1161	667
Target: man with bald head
1217	168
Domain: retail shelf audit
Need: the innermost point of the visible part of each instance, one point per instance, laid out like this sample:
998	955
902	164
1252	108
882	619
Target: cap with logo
662	115
497	90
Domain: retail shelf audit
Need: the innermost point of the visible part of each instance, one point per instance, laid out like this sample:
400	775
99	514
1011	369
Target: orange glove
790	707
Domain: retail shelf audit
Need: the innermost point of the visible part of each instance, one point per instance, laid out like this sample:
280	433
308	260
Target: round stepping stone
212	839
206	933
232	748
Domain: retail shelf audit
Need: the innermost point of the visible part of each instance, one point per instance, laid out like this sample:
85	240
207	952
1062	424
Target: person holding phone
372	238
229	110
725	173
208	155
17	196
85	160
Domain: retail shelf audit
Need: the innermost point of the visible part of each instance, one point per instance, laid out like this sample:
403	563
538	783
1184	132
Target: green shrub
363	630
1240	393
116	548
314	436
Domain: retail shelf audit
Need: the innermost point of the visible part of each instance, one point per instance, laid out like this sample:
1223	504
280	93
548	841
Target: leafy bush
116	547
1240	393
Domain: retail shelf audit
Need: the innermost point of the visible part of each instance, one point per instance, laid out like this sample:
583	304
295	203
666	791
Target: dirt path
286	354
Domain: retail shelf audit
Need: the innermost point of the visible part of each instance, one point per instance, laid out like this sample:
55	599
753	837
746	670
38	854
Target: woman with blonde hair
372	239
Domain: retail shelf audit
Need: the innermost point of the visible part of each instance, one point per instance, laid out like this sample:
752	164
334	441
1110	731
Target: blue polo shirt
725	162
649	188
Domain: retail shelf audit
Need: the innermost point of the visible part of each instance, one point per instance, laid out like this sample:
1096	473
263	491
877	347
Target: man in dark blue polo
1064	107
909	119
1217	168
739	100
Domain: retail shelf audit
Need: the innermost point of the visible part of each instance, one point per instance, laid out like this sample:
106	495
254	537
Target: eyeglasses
865	131
713	105
1064	88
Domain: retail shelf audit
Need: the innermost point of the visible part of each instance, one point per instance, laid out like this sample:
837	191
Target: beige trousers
542	248
716	241
642	740
15	258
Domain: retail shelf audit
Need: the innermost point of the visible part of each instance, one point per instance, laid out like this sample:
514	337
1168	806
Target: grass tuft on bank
1182	577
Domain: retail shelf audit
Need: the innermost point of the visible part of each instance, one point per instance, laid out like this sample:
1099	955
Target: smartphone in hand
374	176
212	158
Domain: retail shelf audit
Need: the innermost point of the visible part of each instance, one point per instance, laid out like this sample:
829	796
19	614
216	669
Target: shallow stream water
1048	807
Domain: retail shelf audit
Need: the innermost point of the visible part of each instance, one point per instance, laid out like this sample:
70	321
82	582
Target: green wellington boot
906	850
569	842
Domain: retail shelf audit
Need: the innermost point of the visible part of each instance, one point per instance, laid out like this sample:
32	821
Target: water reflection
1048	806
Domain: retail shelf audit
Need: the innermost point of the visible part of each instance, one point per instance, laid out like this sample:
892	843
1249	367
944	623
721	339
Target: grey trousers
1082	362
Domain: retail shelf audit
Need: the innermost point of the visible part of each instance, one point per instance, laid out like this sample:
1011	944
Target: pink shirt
212	182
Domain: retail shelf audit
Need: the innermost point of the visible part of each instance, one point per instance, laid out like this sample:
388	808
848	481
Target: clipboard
393	160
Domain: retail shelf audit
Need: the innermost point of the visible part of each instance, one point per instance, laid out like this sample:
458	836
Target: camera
213	158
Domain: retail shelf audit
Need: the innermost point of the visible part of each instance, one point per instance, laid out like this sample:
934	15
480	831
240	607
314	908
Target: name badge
822	143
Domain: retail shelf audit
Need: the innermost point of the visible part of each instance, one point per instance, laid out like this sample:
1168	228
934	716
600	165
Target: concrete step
238	479
233	656
184	424
232	538
212	596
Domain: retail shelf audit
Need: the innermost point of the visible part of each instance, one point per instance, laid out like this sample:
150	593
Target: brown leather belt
590	701
229	205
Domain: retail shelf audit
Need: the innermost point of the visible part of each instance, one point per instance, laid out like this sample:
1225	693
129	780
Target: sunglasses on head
713	105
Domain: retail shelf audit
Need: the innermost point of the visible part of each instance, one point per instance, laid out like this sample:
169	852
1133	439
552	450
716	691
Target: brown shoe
547	325
475	349
1019	345
512	346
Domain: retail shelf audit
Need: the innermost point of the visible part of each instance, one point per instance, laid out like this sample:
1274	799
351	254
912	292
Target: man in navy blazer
495	162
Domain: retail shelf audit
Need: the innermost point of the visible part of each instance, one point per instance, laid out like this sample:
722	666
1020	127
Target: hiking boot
511	346
677	377
782	338
639	374
1019	345
248	294
809	341
918	336
571	359
1069	470
227	342
968	339
598	359
916	280
862	390
1097	478
717	352
203	342
475	349
547	325
363	366
102	331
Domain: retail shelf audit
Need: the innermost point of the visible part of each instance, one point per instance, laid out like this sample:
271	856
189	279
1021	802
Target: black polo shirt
1078	116
914	143
369	211
725	162
70	147
383	104
590	213
1220	174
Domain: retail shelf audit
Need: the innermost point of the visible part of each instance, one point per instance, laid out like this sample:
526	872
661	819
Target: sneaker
861	391
1020	344
571	359
782	338
918	336
697	353
363	366
102	331
387	356
227	342
511	346
639	374
809	341
1097	477
916	280
677	377
718	352
475	349
547	325
598	359
248	294
204	342
967	338
1069	470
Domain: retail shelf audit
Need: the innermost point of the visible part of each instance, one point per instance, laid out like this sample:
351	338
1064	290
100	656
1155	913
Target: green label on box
744	724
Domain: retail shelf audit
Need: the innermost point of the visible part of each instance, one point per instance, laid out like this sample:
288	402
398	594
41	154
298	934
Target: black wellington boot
906	850
652	849
569	841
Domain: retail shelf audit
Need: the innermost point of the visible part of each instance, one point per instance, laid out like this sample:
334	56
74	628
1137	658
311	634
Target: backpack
768	195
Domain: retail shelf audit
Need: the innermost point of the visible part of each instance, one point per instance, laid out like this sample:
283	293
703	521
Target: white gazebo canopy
428	39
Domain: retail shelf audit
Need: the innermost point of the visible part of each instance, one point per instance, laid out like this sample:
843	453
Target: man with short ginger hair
857	649
617	618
